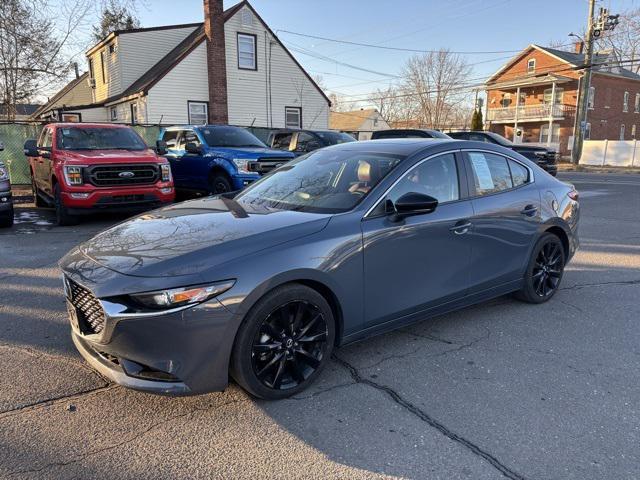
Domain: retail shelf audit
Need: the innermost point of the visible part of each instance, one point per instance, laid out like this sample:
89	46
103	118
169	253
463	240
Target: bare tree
437	83
625	40
340	103
32	47
395	104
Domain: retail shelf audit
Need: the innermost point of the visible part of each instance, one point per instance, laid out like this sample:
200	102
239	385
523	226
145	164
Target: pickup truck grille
88	309
265	165
122	175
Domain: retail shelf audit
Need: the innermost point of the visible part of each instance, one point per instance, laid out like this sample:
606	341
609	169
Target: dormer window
112	48
531	65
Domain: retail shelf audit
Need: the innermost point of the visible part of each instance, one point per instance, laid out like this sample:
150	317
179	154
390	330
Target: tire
219	183
37	200
63	218
6	220
545	270
284	342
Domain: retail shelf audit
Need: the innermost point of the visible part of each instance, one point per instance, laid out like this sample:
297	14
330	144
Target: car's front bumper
182	352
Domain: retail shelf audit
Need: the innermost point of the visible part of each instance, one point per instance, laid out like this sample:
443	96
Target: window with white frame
555	133
531	65
636	107
591	99
622	132
558	93
587	131
247	51
113	113
633	131
198	113
293	117
625	102
134	113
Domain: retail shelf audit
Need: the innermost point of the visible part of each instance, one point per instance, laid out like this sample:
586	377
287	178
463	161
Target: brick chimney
216	61
578	47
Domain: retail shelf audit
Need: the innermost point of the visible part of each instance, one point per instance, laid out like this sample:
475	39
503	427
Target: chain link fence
13	136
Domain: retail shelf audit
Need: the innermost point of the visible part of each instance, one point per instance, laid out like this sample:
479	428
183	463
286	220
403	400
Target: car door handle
529	210
461	227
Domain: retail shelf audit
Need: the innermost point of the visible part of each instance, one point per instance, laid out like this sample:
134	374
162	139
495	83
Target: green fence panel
149	133
13	136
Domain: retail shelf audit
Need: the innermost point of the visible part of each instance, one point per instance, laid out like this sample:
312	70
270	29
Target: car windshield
95	138
324	181
230	137
335	138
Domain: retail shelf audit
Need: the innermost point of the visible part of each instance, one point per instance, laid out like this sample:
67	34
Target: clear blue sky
467	25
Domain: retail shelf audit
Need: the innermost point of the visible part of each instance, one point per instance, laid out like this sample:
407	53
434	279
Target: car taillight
165	169
573	195
73	175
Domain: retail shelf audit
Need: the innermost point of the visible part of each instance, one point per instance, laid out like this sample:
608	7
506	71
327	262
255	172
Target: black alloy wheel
289	345
218	184
544	271
547	269
284	342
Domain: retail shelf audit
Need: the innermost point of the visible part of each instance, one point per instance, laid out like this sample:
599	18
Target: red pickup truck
81	168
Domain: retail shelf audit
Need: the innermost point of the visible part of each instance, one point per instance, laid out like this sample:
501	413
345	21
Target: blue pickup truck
214	159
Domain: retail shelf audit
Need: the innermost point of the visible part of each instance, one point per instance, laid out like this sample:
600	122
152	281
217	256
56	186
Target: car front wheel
284	342
219	183
62	216
544	271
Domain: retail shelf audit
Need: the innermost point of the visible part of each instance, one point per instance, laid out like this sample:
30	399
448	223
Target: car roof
402	146
86	125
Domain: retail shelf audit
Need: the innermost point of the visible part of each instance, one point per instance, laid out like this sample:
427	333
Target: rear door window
519	174
188	136
281	141
491	173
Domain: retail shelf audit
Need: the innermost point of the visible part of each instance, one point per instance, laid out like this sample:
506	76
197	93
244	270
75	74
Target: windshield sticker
482	171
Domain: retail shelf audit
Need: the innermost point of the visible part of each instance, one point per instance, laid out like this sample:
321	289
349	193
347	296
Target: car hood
94	157
531	148
251	153
190	237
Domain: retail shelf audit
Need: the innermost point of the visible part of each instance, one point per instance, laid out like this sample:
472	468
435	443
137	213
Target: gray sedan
340	244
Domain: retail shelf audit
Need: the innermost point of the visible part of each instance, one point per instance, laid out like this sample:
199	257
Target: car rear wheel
219	183
62	215
6	219
544	271
284	342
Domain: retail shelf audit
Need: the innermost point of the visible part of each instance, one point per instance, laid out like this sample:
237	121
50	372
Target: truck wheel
62	216
7	220
219	183
36	198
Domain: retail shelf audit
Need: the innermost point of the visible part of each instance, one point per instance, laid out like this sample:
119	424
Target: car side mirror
413	203
193	147
161	147
30	148
1	146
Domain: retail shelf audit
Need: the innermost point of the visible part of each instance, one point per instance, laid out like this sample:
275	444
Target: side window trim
462	176
470	184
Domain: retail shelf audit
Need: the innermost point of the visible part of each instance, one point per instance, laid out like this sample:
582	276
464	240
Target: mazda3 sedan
337	245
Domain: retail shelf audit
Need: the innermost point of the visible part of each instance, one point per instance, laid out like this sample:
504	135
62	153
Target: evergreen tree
476	120
115	16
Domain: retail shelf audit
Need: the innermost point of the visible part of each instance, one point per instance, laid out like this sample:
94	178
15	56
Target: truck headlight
178	297
242	165
4	173
165	170
73	175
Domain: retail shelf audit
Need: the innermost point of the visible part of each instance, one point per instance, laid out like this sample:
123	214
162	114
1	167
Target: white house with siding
170	75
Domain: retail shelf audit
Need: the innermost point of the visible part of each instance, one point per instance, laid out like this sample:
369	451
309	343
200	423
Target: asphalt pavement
499	390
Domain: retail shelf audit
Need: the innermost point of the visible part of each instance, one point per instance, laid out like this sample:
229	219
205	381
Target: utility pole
594	30
581	112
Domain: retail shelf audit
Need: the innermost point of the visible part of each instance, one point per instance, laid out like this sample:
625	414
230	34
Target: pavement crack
130	439
425	417
324	390
578	286
51	401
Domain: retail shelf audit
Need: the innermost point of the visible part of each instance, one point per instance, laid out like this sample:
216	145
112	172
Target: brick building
533	98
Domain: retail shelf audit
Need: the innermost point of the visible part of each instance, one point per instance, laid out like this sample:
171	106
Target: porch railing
530	112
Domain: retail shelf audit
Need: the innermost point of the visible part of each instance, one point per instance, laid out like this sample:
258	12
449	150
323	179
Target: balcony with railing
530	113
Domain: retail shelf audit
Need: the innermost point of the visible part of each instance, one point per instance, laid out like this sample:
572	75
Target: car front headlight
242	165
4	173
73	175
179	297
165	170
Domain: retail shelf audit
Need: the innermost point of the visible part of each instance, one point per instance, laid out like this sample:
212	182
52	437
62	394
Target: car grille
264	165
88	309
118	175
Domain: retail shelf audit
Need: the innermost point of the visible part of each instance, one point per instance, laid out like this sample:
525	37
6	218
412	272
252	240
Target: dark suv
546	158
300	142
408	133
6	202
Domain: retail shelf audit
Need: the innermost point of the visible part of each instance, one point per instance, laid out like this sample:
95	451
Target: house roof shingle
350	121
21	109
